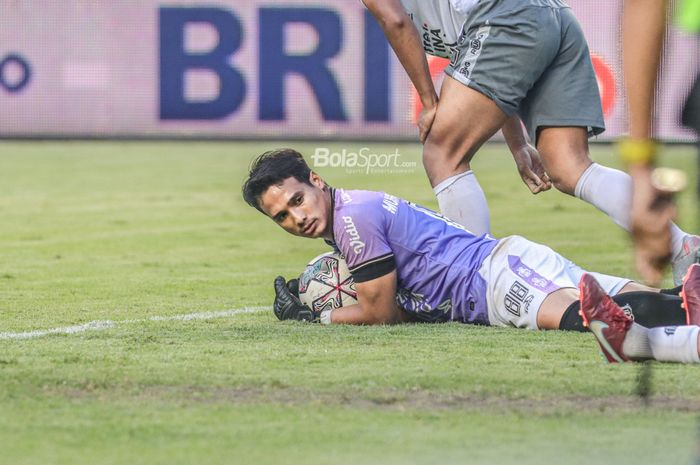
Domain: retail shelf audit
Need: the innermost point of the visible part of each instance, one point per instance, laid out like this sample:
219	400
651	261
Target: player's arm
406	42
377	304
527	158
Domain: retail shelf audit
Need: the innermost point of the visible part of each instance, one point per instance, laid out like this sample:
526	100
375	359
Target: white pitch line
91	326
207	315
101	325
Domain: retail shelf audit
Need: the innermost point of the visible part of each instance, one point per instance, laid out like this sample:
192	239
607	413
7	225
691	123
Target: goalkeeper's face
299	208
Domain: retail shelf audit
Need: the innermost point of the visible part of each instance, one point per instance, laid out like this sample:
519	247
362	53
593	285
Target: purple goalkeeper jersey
436	260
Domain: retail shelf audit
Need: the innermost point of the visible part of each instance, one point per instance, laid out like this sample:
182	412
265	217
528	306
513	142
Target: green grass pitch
121	240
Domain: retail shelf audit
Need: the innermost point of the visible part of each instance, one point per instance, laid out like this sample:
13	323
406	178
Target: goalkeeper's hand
293	286
287	305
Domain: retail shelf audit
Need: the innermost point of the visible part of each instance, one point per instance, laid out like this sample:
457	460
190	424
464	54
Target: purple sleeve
363	241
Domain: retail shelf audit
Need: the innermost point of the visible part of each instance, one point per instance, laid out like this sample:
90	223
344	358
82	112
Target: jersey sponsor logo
355	242
670	330
345	197
530	276
597	328
433	44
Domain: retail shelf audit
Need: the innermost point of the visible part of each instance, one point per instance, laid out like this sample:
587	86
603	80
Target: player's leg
531	286
621	339
554	308
503	49
650	307
564	152
465	119
561	111
561	309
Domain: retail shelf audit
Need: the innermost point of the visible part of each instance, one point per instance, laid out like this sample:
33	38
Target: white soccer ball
326	283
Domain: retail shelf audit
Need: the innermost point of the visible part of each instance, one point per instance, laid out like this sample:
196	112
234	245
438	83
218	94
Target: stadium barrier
250	69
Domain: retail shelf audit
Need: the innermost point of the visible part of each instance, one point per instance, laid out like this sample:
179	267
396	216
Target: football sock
571	320
652	309
649	309
461	199
637	344
673	291
674	343
610	191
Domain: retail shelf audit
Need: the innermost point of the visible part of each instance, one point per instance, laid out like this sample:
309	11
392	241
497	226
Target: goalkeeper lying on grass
411	264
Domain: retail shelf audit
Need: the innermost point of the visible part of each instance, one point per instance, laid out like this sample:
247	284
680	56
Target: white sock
636	344
610	191
461	199
675	343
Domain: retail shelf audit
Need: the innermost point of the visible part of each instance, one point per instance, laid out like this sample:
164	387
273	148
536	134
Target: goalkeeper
410	263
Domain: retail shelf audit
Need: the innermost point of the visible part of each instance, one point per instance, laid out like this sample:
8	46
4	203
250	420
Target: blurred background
251	69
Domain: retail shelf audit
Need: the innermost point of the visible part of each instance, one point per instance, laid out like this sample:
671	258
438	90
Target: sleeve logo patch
357	245
390	203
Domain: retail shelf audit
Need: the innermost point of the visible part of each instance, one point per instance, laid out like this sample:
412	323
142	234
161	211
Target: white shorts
521	274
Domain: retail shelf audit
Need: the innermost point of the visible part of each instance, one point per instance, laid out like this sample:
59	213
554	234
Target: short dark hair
272	168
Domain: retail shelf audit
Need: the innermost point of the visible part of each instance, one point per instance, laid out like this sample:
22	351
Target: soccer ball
326	283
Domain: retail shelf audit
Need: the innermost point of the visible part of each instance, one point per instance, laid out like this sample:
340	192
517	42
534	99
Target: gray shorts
530	57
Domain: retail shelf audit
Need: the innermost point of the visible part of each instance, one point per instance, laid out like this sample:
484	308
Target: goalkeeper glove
293	286
287	306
